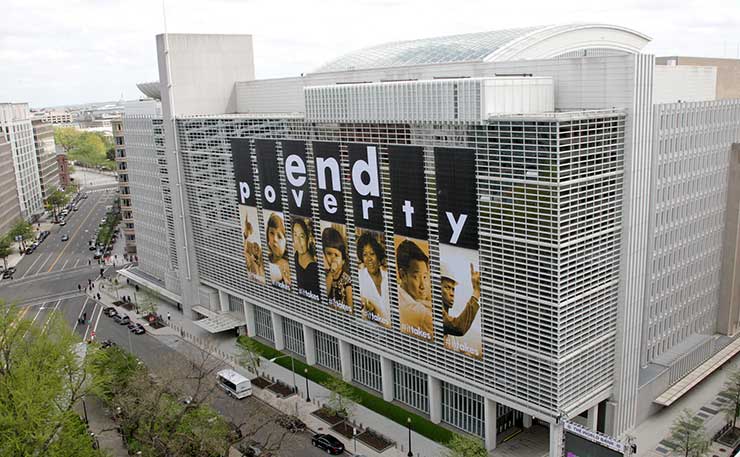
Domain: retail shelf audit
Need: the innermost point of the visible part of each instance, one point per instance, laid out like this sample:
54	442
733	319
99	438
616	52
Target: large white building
597	219
15	124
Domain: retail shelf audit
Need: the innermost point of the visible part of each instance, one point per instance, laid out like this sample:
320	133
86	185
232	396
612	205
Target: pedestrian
98	296
84	317
169	317
89	262
79	287
89	281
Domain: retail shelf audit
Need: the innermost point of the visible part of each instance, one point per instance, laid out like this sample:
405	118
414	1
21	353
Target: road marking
75	265
72	237
38	312
31	267
95	329
65	264
43	264
51	315
79	316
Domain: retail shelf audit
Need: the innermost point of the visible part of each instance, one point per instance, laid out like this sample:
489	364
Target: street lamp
408	423
305	375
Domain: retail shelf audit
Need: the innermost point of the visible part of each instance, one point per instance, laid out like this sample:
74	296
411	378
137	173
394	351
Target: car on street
97	255
84	195
92	247
124	320
30	249
118	317
65	237
138	329
328	443
112	313
75	208
8	274
107	310
62	222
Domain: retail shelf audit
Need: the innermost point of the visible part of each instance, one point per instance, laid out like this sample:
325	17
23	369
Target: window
293	334
462	409
366	368
410	387
263	323
235	304
327	351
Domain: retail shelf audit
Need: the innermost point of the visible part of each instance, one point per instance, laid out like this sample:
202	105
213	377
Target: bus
234	384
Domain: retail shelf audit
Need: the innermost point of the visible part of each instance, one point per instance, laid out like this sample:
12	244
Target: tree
464	446
67	138
688	436
42	377
23	229
249	354
342	398
732	391
56	200
5	250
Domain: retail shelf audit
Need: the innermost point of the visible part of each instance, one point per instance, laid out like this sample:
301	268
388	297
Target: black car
328	443
124	320
8	274
30	249
108	310
138	329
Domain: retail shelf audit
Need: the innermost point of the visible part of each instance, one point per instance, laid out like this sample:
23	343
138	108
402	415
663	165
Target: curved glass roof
456	48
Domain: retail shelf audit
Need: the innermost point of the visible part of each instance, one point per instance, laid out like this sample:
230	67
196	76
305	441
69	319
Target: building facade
536	157
46	160
10	207
63	167
124	189
15	123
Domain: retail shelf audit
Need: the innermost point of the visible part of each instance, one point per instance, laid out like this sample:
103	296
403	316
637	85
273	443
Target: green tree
42	378
5	250
688	435
464	446
23	229
56	200
249	354
342	398
67	138
732	391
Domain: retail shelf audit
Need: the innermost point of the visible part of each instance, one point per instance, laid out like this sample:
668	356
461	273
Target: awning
218	322
677	390
203	311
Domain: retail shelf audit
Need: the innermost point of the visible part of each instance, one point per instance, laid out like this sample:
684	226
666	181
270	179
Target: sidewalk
15	247
101	424
223	347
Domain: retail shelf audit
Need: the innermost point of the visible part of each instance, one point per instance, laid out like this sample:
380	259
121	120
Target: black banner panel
457	205
272	214
304	258
408	191
372	269
329	180
367	201
576	446
296	177
246	200
337	282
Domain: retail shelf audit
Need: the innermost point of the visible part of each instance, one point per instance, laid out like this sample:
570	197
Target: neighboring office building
124	192
728	72
46	157
572	309
63	166
10	207
15	124
57	118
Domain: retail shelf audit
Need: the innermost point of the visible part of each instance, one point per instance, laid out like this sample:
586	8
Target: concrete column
277	330
592	417
345	356
249	317
556	440
490	416
435	399
526	420
386	374
223	300
309	342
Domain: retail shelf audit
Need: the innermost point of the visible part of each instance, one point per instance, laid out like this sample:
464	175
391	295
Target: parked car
65	237
112	313
97	255
328	443
138	329
107	344
8	274
118	317
62	222
30	249
108	309
92	245
125	320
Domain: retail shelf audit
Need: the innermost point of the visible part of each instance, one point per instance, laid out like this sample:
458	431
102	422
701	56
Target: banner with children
367	207
334	243
278	267
248	219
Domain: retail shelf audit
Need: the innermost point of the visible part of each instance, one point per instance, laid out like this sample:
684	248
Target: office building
124	190
536	157
15	123
46	157
10	207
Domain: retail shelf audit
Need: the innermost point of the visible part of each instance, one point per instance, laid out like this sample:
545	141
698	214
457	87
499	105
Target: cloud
95	50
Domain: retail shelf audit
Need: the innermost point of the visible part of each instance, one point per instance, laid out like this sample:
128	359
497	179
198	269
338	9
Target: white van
234	384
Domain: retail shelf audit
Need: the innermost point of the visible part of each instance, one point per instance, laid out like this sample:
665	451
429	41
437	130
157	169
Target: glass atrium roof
469	47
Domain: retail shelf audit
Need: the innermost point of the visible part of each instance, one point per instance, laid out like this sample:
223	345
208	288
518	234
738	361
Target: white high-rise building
15	124
601	216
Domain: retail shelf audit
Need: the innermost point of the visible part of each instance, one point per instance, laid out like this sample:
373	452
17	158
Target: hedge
393	412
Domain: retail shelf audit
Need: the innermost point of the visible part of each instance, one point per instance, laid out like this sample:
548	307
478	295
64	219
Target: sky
81	51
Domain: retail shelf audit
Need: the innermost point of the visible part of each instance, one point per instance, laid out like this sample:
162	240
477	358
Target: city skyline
101	50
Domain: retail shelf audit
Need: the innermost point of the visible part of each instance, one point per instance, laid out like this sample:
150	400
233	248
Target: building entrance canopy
215	322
